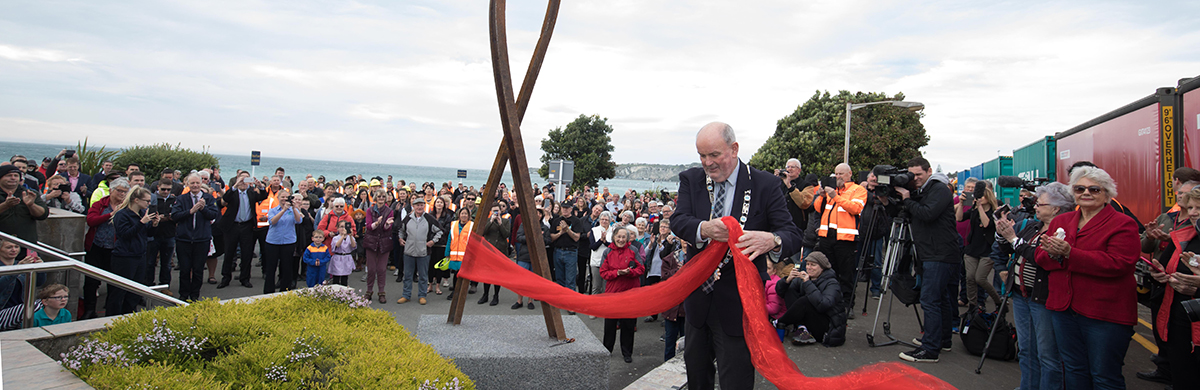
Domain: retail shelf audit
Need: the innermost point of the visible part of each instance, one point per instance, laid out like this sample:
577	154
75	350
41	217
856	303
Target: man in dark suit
238	224
193	213
80	182
714	311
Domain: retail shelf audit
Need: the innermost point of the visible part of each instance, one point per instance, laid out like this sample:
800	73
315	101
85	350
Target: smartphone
1152	265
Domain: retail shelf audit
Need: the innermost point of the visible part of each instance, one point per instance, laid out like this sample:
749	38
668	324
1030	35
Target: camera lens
1192	308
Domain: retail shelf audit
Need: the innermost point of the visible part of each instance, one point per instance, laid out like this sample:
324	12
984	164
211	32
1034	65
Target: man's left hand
903	192
28	197
830	191
755	243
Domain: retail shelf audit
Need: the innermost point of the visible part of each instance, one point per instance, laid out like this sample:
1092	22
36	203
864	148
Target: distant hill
654	172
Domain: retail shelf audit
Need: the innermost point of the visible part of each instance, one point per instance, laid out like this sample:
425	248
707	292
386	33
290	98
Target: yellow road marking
1144	323
1149	345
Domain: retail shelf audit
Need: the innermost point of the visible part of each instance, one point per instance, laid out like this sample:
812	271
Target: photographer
840	202
877	216
60	195
796	192
1172	322
160	246
937	244
977	253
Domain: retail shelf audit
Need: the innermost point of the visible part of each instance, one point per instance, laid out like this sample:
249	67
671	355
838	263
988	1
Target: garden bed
322	338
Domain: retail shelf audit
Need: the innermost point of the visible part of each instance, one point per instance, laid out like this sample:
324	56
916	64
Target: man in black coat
238	224
714	311
192	213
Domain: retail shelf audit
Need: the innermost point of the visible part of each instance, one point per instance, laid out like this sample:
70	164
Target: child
360	254
316	257
54	302
775	305
341	264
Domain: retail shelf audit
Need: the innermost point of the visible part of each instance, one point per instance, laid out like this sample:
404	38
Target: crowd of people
1066	256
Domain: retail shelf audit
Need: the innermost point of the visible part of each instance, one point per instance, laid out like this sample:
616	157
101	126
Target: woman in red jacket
621	271
1090	254
1180	334
100	240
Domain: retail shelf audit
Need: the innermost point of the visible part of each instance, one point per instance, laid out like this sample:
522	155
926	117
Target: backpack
975	335
904	285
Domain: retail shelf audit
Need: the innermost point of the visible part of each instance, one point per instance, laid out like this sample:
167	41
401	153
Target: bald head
844	174
718	149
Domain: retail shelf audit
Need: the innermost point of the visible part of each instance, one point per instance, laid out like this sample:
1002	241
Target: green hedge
154	158
293	341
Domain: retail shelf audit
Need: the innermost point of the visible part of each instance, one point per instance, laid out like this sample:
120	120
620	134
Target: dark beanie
819	258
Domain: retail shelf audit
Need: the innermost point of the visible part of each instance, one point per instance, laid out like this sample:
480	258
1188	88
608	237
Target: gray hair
1058	194
338	202
792	160
626	212
641	220
203	174
608	214
970	180
119	182
1191	183
1097	175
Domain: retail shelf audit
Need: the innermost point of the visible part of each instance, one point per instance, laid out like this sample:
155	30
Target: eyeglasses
164	189
1089	189
60	297
1043	204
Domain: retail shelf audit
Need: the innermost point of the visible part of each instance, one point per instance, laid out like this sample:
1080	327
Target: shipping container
1126	143
962	179
1189	90
1035	161
1001	166
977	171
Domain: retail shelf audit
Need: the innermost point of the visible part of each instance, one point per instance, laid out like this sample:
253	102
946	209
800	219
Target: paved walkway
956	367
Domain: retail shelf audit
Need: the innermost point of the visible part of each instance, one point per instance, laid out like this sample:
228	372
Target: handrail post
30	295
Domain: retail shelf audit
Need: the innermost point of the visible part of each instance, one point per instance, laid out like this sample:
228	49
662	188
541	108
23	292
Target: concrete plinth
513	352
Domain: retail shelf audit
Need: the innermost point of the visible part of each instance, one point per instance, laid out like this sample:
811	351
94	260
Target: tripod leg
995	323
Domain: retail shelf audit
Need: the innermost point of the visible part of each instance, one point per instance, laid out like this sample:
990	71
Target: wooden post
511	114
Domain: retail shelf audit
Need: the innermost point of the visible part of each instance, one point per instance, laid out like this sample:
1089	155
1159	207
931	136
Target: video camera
1027	204
889	178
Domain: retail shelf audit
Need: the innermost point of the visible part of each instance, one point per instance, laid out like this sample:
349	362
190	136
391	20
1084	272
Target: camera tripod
899	241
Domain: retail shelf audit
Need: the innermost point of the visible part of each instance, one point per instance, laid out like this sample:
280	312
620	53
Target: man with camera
239	224
876	222
20	207
938	247
797	193
839	202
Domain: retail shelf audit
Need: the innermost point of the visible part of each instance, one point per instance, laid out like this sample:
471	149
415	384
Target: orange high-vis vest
267	204
458	239
840	213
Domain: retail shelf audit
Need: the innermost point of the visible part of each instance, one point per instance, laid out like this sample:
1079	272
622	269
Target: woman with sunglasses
1090	254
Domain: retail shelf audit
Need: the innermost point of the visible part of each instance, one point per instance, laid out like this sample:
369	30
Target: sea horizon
338	170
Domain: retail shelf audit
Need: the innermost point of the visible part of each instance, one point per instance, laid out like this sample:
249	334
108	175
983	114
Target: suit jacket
768	212
233	204
194	227
84	180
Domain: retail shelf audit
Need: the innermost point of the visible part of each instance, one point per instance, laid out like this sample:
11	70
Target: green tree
91	159
585	141
152	159
815	134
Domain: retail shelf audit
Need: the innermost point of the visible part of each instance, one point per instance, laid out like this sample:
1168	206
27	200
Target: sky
410	82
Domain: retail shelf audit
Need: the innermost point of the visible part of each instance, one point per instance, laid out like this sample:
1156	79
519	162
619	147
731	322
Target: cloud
312	78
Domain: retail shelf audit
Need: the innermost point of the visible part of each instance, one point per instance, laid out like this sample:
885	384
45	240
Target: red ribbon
483	263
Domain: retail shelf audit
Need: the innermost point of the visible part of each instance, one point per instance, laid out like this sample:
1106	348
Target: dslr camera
888	178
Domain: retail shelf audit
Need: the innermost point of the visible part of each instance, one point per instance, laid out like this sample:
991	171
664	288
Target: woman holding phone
133	224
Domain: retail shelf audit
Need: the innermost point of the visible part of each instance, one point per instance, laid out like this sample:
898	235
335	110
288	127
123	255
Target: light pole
911	106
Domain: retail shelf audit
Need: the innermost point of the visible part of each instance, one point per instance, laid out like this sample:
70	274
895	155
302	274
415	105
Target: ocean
337	170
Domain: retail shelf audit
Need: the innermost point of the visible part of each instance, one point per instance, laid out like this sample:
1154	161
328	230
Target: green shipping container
1002	166
1036	160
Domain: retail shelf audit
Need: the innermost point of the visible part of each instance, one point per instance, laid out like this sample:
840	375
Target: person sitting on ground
814	303
778	271
54	306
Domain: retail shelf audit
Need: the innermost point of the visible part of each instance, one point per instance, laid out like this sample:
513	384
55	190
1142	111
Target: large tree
585	141
815	134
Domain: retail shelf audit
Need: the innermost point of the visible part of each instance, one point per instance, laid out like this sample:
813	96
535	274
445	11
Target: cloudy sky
410	82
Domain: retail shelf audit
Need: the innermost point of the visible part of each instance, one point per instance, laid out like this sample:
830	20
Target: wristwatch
778	240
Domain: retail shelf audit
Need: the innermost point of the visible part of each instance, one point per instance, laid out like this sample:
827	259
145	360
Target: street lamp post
911	106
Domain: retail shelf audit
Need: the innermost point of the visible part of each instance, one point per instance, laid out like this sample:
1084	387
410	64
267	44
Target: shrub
90	159
152	159
314	339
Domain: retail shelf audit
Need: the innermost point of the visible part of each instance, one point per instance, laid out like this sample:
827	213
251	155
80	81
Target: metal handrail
65	263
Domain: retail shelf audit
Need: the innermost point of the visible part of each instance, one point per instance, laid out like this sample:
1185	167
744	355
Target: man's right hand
12	201
714	230
1153	231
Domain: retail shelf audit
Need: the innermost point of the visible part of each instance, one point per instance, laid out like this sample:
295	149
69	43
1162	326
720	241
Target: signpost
462	174
255	156
561	172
